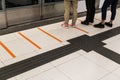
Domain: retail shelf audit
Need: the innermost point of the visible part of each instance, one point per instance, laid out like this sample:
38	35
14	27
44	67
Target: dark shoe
100	25
85	22
108	24
91	21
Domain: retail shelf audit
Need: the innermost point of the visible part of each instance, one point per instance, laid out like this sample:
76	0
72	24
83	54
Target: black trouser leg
106	4
113	9
90	5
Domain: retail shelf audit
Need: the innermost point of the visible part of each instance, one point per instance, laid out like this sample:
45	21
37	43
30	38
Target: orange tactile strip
8	50
49	34
29	40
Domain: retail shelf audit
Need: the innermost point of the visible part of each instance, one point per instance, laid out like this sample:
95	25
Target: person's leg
67	11
92	11
90	6
88	10
85	22
74	11
113	11
106	4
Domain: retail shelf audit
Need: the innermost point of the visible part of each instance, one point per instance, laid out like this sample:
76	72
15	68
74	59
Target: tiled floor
79	65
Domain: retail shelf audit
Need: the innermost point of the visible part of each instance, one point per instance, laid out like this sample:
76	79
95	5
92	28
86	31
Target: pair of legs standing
70	6
90	6
106	4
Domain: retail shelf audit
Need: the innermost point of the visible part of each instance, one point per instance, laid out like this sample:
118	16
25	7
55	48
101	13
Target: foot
108	24
65	25
73	25
85	22
100	25
91	21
